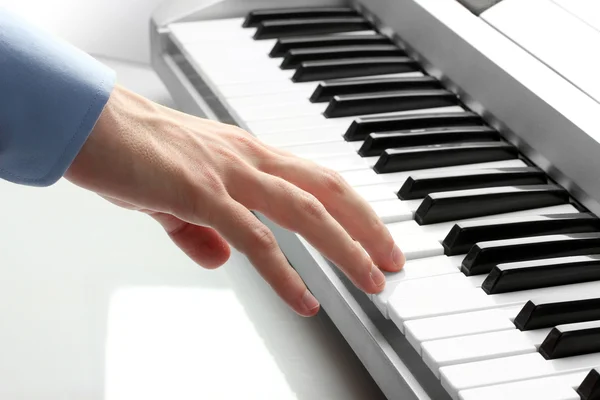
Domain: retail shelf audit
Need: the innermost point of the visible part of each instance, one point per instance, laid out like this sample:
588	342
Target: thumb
202	244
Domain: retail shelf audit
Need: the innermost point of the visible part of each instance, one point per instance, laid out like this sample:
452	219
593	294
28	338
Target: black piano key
379	103
571	340
547	313
472	203
590	387
325	91
485	255
443	155
464	235
274	29
533	274
294	58
283	45
377	143
312	71
254	18
419	186
362	127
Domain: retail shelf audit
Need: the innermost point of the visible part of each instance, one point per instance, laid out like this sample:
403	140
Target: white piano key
420	301
235	91
484	346
469	323
346	163
391	211
271	101
318	121
314	137
378	192
455	378
586	10
369	177
556	387
326	149
259	112
430	284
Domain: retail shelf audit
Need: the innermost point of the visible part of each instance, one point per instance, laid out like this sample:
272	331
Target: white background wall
111	28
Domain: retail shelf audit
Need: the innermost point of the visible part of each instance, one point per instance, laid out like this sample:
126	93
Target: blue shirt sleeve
51	95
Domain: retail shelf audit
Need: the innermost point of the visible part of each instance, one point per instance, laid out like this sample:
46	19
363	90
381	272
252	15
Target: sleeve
51	95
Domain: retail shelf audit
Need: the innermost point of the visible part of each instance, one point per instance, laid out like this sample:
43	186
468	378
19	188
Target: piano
472	128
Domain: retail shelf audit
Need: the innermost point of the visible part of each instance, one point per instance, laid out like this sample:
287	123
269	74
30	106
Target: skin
200	180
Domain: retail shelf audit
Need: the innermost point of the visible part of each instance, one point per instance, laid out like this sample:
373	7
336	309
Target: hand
199	179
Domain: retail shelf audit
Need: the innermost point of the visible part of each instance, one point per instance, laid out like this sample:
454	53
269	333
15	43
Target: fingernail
377	276
398	257
309	301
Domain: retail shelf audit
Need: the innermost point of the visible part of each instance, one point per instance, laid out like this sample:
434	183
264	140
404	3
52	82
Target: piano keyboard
500	294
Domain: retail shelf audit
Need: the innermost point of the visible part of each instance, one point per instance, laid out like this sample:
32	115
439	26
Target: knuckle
262	238
334	182
311	207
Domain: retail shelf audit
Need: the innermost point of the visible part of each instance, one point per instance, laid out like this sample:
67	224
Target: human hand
200	178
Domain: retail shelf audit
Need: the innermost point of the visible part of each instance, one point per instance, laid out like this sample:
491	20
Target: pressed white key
431	283
370	177
484	346
446	326
510	369
558	387
422	302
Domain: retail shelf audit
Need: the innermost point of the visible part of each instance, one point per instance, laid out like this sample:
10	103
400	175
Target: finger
301	212
202	244
344	204
251	237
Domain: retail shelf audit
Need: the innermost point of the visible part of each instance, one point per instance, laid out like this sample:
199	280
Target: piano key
544	312
556	387
295	57
254	18
312	71
548	272
369	177
443	155
316	150
362	127
463	324
331	126
464	235
325	91
378	103
484	346
430	284
441	230
420	185
309	26
455	378
392	211
572	340
483	256
590	386
377	143
471	203
283	45
419	301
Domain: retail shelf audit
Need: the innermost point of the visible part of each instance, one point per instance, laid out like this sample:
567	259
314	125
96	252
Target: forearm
51	95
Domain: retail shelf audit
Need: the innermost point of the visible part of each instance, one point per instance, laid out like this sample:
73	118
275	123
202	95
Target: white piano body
499	71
